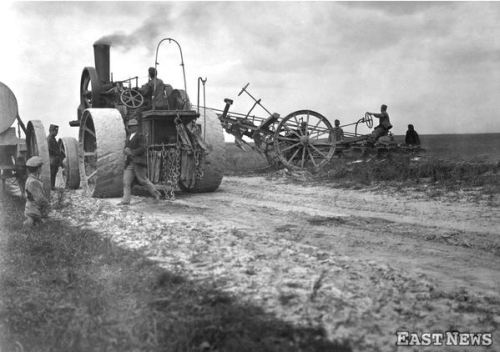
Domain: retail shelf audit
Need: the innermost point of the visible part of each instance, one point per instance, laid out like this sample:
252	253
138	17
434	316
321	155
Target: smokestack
101	57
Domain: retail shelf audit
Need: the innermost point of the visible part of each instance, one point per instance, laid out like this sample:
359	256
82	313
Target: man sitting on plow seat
384	124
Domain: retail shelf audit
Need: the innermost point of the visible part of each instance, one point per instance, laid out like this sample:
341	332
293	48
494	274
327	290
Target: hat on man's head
53	127
34	161
132	122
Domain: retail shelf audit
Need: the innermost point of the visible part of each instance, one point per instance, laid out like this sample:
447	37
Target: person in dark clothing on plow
412	137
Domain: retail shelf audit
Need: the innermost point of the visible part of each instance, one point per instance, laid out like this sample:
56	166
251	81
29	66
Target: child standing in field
37	203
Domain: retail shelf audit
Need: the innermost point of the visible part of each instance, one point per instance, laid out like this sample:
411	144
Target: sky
435	64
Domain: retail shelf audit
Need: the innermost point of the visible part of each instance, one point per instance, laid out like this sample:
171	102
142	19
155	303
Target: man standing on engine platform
55	154
153	90
135	164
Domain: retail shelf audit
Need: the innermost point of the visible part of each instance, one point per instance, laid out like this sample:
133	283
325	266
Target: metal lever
244	89
257	101
228	102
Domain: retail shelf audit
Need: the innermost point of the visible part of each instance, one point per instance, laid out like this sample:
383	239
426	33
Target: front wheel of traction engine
212	163
36	145
71	172
101	143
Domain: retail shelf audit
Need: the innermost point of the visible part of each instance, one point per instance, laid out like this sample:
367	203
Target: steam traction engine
185	147
14	150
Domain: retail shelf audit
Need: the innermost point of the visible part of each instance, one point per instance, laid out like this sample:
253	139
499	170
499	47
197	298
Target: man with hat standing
55	154
135	163
37	204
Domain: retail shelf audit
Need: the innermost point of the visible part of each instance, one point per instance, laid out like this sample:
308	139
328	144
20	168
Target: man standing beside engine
55	154
135	164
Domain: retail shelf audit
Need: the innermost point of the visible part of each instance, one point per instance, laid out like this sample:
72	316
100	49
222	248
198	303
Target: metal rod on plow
203	81
257	101
228	102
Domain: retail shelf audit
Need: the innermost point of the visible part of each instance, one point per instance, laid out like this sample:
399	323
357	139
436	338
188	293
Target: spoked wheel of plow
213	161
304	139
71	169
101	143
36	144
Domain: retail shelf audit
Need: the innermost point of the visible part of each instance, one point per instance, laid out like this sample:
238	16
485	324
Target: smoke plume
146	35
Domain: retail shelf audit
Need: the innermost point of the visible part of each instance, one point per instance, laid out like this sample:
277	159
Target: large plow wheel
70	172
304	139
101	143
212	163
36	144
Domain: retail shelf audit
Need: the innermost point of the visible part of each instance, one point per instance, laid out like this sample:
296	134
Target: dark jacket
149	92
384	120
412	137
55	154
137	146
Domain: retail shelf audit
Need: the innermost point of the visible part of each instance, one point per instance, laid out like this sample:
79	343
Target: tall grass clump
401	169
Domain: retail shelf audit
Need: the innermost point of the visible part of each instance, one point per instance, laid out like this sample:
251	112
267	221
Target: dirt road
359	264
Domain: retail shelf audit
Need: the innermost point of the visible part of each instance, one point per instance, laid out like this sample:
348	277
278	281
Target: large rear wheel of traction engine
71	169
213	161
101	143
36	145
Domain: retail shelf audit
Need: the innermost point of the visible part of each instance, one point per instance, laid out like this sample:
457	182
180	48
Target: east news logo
447	338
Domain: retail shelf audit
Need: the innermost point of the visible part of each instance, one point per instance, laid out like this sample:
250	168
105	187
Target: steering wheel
131	98
368	120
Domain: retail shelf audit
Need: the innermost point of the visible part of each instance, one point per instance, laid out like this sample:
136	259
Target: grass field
457	147
456	166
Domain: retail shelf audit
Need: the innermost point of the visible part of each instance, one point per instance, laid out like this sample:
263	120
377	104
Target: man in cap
384	124
37	203
135	164
55	154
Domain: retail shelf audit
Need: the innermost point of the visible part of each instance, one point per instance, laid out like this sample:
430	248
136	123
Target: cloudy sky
435	64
